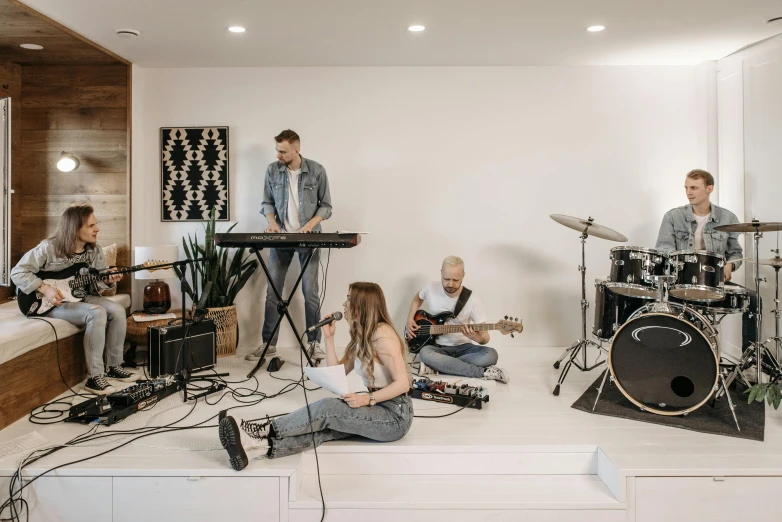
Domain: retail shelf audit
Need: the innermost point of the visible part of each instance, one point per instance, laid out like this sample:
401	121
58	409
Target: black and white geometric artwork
194	167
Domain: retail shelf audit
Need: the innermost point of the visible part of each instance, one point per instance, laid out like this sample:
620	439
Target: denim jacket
677	232
314	195
42	257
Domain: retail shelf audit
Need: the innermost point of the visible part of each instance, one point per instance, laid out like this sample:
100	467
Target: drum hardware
759	350
776	264
587	228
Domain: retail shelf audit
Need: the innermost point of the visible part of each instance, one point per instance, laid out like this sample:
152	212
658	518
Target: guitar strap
463	298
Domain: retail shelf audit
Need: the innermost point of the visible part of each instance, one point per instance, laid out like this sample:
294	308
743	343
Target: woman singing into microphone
378	355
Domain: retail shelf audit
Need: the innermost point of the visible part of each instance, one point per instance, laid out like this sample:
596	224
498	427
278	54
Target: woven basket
225	321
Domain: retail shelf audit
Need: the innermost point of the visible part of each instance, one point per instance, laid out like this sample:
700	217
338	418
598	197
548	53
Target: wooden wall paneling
11	86
82	110
33	378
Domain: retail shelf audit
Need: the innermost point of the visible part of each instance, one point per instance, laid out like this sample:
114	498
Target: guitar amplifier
166	355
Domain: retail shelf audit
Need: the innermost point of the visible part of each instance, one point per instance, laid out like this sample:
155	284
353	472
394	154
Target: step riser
451	464
494	515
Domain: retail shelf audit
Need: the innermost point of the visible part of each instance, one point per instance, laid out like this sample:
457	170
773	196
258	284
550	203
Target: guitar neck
456	328
81	281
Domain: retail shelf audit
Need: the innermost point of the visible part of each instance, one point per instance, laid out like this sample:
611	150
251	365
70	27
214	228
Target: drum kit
659	314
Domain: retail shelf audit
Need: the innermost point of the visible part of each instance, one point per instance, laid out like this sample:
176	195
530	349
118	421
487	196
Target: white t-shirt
700	244
292	216
437	301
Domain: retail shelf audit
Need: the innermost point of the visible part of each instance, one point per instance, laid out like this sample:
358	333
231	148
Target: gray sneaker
493	373
257	353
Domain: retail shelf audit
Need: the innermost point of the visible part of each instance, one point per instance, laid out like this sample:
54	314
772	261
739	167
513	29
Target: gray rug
717	420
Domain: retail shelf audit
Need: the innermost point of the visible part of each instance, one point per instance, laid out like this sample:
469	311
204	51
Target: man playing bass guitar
462	353
75	242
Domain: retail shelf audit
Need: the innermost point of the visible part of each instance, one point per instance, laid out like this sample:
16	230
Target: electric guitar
72	284
434	325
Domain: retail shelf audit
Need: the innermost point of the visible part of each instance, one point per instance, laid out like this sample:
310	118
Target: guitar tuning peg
517	319
506	317
512	336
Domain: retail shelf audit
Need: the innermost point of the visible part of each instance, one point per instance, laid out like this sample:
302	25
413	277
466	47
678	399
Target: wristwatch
371	399
733	266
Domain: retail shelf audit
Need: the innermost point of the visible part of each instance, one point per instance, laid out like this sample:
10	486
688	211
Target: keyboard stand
282	308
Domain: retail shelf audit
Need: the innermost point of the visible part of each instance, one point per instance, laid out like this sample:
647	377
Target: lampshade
159	254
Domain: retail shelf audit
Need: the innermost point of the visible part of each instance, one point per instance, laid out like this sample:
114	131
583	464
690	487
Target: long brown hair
71	221
368	311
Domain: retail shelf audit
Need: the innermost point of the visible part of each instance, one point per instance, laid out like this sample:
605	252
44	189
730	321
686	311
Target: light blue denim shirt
677	232
314	195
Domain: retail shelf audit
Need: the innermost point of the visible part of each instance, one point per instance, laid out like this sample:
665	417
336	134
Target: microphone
336	316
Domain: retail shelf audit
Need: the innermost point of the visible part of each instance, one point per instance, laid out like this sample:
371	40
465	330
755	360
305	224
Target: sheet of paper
23	444
332	378
144	318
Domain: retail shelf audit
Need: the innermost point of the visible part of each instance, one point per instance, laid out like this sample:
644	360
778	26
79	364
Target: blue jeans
279	262
332	419
104	336
467	360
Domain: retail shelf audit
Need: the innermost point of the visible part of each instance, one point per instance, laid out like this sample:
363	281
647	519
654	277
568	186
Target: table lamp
157	294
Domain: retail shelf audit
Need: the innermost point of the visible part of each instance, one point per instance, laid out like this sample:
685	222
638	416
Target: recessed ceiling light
415	28
595	28
127	33
34	47
236	29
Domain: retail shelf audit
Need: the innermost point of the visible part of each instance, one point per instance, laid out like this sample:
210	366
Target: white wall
439	161
750	114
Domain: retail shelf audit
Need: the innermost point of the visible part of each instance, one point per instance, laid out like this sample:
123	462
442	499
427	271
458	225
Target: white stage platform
527	456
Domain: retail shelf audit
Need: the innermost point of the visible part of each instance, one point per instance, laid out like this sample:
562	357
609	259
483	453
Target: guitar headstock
510	326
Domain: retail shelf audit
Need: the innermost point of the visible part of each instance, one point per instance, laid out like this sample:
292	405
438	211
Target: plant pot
225	321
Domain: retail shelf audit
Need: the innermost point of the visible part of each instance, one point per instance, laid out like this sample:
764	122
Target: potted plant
223	277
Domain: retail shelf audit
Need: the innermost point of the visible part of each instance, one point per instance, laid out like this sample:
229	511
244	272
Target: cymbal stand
777	339
581	345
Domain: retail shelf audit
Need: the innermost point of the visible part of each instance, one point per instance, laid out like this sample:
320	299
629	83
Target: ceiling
60	47
192	33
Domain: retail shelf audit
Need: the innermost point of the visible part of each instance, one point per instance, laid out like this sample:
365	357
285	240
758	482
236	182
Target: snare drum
736	301
632	269
699	275
612	310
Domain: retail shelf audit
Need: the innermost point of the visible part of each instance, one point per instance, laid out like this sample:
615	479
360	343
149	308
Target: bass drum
666	363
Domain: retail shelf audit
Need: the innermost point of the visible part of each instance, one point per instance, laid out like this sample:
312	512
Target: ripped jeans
332	419
104	336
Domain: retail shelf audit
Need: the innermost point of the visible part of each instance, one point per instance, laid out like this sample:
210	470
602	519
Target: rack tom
632	269
700	275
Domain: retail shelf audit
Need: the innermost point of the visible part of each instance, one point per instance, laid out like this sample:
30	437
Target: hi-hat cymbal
590	227
750	227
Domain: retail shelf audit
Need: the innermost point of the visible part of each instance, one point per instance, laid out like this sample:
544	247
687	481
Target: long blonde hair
368	311
71	221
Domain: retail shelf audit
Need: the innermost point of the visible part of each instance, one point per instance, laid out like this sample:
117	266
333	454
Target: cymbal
750	227
776	262
590	227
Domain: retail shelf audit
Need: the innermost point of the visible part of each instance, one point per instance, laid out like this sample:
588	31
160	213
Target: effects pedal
449	393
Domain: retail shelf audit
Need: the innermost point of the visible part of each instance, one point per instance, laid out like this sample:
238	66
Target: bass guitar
434	325
72	284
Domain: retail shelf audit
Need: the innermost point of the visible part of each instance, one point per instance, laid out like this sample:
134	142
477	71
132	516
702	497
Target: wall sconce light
67	162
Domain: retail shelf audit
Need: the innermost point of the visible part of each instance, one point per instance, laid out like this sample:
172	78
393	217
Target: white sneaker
493	373
257	353
426	370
